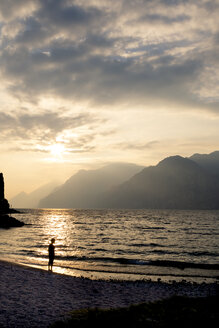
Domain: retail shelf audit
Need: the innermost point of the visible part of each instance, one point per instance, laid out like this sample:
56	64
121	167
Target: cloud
70	72
32	32
132	53
10	9
60	13
137	146
154	18
37	131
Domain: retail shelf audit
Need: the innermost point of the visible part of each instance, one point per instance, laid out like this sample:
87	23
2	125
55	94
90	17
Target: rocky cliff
6	221
2	187
4	205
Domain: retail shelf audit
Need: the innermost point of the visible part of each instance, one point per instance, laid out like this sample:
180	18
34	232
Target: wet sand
32	297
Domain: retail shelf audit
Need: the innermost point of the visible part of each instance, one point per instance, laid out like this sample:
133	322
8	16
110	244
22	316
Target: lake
118	244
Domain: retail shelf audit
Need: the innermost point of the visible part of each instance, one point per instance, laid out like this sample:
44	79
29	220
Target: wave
153	228
127	261
146	245
157	249
184	265
195	253
149	274
168	263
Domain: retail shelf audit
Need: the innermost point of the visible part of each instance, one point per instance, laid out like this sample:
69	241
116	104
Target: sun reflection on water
99	242
56	225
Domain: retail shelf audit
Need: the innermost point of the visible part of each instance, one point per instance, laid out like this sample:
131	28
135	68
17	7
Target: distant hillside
84	189
208	161
31	200
176	183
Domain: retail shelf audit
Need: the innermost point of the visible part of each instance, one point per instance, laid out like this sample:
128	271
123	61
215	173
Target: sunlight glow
57	150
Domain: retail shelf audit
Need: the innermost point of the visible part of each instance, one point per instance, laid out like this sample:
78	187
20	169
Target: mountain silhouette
175	183
31	200
83	189
208	161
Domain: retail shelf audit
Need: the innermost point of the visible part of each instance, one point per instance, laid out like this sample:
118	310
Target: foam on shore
32	297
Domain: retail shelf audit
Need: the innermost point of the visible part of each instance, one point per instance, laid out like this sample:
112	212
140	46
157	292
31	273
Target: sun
57	150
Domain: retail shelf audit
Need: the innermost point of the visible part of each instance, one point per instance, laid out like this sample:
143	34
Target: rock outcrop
4	205
2	187
6	221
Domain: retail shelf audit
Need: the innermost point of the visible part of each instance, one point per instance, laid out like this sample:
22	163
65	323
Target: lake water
118	244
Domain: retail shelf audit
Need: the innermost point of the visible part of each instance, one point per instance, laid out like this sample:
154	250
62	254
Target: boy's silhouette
51	254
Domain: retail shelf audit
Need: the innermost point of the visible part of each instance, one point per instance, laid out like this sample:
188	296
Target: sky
90	82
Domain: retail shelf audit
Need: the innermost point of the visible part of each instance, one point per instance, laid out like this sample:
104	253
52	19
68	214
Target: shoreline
168	274
31	297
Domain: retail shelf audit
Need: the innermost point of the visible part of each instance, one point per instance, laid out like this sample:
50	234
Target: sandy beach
32	297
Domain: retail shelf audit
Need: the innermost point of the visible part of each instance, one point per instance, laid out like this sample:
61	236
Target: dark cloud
174	2
33	32
6	121
211	6
52	121
61	15
82	52
44	126
102	79
216	38
153	18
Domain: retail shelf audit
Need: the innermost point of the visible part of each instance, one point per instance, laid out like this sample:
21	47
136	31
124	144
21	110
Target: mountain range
85	188
174	183
31	200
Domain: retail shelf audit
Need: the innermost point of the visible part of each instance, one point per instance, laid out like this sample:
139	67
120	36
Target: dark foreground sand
36	298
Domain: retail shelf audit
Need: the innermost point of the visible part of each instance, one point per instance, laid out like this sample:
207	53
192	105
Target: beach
32	297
